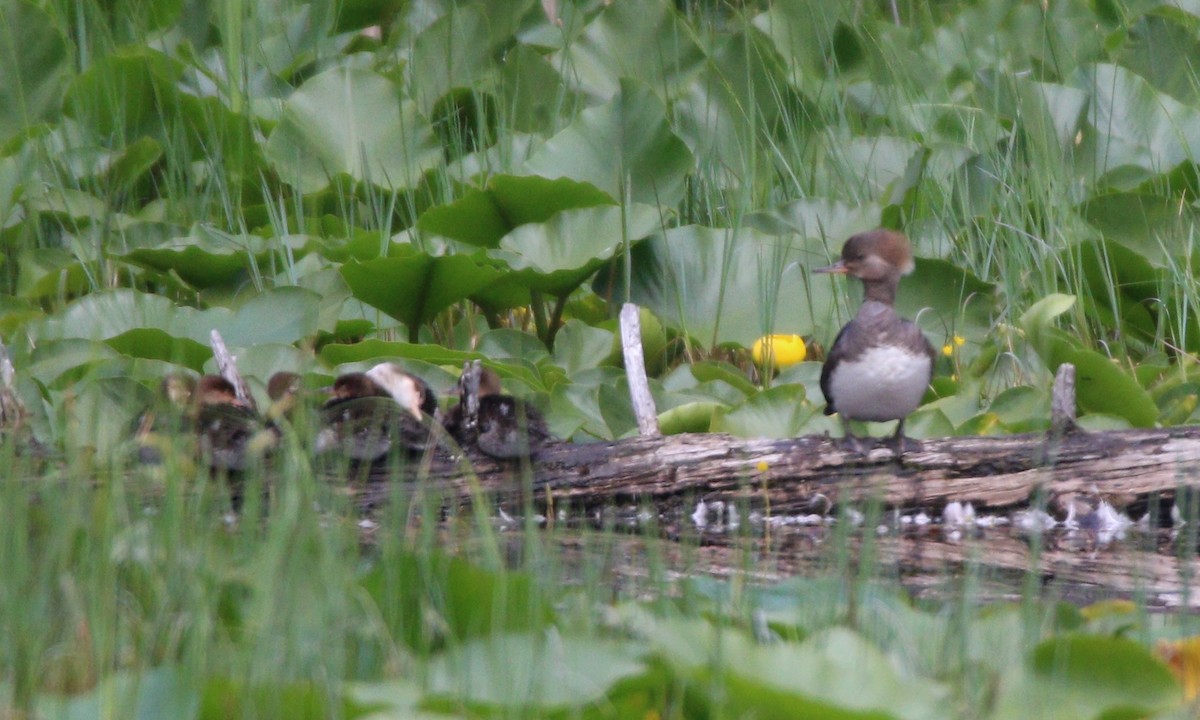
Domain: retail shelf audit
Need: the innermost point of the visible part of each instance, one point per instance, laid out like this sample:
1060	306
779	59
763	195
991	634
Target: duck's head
216	390
874	256
284	389
489	382
353	385
178	389
409	391
283	385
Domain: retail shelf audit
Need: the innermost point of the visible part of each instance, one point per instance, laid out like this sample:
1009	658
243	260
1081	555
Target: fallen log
787	476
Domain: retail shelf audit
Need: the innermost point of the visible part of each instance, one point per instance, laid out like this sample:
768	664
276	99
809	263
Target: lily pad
374	138
413	286
724	285
280	315
646	39
37	66
555	257
543	671
779	412
483	217
206	257
625	147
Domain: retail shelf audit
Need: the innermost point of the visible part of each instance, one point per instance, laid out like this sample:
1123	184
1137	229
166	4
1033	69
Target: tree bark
787	476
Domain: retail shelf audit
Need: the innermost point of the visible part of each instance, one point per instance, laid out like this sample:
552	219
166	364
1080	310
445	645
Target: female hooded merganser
369	411
507	427
880	364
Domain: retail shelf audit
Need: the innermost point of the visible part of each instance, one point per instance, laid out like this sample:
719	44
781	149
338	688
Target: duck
880	364
371	412
205	419
161	428
506	427
232	436
283	389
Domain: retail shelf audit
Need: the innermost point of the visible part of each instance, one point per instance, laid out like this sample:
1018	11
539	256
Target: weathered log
785	476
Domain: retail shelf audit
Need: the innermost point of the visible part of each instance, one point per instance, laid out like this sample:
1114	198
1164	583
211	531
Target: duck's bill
838	268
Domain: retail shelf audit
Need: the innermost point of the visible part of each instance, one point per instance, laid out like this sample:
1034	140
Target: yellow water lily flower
784	350
956	341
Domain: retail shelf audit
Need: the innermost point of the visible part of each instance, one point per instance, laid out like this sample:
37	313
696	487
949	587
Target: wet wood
227	366
635	371
790	475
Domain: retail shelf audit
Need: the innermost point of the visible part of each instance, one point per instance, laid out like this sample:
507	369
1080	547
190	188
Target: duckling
880	364
162	428
507	427
284	389
372	412
231	434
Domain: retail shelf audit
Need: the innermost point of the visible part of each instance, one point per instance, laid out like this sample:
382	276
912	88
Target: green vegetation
430	181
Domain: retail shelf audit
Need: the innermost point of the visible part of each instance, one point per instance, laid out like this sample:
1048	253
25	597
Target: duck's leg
901	444
851	442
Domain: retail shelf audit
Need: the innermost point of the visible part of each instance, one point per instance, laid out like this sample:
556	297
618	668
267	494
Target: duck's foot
902	444
855	444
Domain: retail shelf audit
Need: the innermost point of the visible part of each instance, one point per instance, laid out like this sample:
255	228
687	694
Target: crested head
409	391
877	254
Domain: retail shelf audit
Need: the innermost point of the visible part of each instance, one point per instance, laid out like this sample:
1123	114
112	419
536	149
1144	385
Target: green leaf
555	257
240	697
152	693
709	370
724	285
413	286
125	95
1136	133
579	346
1086	676
36	65
1038	320
336	354
833	674
375	138
829	220
693	417
646	39
102	411
467	601
722	121
779	412
458	48
280	315
545	671
1141	222
947	301
625	147
483	217
156	344
205	257
1101	386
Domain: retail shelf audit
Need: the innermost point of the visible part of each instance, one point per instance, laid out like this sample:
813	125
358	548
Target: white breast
884	383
